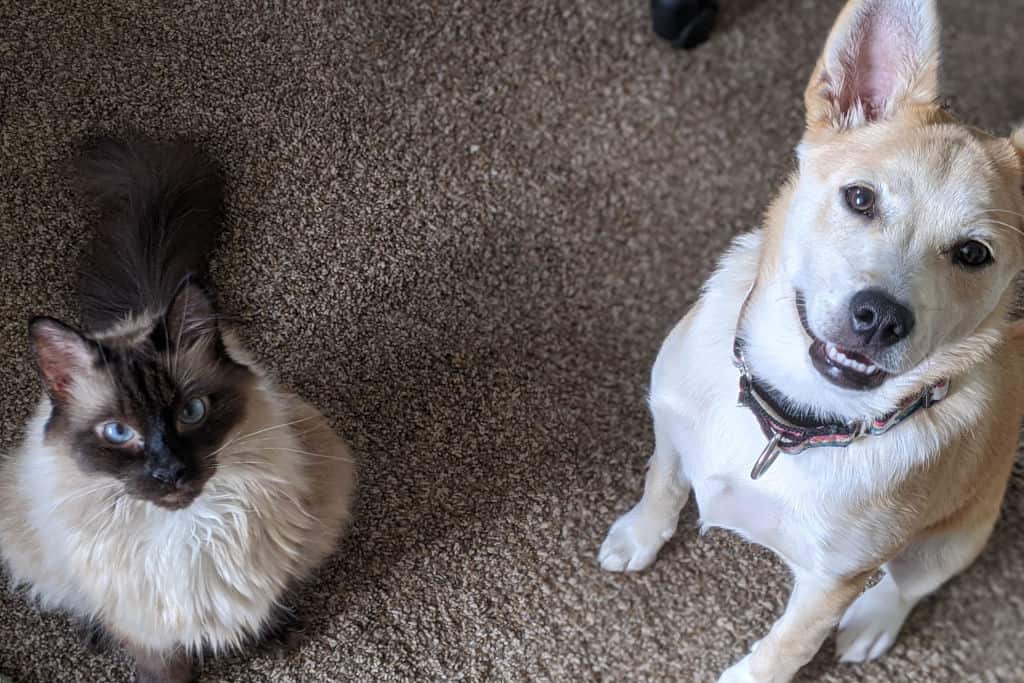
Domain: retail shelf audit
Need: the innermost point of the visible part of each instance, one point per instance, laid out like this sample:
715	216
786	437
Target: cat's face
150	408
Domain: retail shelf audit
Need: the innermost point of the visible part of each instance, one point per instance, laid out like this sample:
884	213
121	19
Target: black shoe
684	23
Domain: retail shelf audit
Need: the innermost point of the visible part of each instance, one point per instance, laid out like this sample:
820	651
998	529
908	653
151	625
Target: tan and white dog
868	327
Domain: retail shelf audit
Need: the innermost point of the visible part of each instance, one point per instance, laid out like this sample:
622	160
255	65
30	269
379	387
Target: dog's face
901	238
903	235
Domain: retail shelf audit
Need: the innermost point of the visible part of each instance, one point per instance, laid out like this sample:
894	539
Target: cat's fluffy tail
160	211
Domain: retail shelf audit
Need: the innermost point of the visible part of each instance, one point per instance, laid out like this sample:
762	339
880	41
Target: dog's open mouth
842	367
845	368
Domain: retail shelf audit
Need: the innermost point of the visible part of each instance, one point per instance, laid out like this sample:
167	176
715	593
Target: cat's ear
61	353
881	56
190	319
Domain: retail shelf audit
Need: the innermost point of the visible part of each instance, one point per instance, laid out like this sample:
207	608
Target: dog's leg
870	626
813	610
637	536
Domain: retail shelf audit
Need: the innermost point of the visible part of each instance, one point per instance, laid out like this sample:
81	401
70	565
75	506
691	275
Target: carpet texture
462	229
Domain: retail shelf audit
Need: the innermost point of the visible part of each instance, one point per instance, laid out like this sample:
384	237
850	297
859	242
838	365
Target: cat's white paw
871	624
738	673
634	540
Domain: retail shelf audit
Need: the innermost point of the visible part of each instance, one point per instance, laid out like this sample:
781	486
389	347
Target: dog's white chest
728	503
718	464
810	508
797	509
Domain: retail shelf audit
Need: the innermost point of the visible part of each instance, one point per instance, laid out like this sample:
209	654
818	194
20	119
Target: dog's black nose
878	319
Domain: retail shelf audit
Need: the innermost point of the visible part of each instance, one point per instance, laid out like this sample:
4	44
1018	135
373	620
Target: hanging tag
767	457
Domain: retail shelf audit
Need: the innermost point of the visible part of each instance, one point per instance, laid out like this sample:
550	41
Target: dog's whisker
1004	224
1012	213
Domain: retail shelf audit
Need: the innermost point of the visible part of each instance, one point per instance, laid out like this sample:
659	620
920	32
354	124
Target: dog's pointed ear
881	56
61	354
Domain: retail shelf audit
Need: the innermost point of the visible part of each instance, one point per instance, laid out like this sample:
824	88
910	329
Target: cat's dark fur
155	343
188	492
160	210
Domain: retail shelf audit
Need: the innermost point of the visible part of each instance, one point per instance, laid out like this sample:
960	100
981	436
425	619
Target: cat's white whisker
298	451
108	506
82	494
243	438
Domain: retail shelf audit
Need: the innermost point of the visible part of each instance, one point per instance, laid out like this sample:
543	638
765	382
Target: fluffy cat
166	491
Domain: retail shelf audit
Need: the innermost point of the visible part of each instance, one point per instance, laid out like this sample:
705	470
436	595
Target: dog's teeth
842	359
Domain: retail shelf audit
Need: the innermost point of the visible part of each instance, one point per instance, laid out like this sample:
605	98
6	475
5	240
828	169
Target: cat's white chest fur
205	576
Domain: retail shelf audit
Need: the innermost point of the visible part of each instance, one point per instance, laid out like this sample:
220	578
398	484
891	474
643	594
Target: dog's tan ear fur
881	56
1017	142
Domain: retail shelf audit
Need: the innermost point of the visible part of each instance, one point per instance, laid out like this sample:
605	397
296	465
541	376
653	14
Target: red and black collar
791	435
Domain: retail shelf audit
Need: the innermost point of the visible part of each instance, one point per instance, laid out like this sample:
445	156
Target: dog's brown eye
861	199
972	254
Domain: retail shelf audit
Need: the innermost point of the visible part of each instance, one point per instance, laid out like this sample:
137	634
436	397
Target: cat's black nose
878	320
169	472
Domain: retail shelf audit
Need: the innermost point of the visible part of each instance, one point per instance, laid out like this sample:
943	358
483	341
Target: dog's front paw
738	673
871	624
633	541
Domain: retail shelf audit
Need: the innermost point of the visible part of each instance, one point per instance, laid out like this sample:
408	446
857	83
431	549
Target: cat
166	490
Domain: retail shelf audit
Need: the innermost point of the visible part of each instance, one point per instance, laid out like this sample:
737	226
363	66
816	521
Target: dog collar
784	436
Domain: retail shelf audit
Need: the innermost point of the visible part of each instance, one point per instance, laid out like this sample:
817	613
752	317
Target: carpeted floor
462	229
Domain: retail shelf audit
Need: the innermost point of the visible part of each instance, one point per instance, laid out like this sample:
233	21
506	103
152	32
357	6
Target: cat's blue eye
118	433
193	412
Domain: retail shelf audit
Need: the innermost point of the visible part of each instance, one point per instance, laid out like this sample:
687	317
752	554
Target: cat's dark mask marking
143	381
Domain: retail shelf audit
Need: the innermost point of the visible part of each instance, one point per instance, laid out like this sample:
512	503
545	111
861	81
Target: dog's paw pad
633	542
871	624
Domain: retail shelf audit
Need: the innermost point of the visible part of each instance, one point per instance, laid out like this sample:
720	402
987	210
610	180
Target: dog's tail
161	209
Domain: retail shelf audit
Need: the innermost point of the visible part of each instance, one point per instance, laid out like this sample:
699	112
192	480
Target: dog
867	330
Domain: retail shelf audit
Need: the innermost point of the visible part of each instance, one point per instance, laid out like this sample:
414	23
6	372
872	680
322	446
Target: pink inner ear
879	53
878	64
61	353
57	376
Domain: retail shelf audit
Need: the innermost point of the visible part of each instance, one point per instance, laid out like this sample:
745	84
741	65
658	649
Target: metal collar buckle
767	458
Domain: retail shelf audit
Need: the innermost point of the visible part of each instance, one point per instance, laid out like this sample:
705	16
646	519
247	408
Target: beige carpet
462	229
